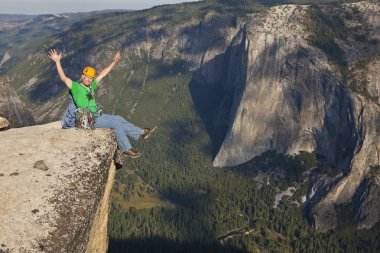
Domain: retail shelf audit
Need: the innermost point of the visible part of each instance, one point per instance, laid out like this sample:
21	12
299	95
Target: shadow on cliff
215	92
207	99
164	245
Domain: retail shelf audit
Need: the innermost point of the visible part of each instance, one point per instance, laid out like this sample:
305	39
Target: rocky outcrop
55	186
12	108
368	202
4	123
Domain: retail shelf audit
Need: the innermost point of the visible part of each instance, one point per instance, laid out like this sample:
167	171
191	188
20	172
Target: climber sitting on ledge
83	96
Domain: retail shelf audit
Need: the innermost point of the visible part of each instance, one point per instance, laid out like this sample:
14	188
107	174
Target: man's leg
113	122
136	132
130	129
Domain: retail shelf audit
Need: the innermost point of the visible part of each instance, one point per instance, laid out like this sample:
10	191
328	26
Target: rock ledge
55	186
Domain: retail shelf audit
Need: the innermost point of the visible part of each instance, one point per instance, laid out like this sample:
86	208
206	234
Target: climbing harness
84	119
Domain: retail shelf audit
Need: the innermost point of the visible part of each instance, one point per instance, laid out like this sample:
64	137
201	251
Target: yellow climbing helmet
88	71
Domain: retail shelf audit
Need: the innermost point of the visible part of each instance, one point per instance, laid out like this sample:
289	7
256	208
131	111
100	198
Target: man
83	95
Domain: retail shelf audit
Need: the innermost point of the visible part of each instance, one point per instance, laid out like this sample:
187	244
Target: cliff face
12	108
55	188
366	119
289	97
343	191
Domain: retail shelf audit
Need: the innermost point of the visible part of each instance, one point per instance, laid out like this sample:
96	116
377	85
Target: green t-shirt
84	96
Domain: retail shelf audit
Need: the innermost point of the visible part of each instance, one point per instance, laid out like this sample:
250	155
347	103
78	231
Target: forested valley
199	205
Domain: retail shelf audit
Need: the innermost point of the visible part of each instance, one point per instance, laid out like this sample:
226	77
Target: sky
60	6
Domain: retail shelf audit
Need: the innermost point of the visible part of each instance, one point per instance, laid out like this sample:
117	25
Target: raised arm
107	69
57	59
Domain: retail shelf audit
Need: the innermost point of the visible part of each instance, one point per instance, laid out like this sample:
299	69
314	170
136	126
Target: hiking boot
147	131
132	153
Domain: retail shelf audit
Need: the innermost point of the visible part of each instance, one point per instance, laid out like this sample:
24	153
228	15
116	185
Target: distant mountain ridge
27	31
14	17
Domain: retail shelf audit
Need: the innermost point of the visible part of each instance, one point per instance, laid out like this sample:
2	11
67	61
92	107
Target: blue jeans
121	127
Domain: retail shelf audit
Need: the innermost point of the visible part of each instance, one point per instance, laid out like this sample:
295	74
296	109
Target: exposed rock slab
52	184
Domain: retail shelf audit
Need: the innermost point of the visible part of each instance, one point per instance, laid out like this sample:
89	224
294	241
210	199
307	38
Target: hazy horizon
25	7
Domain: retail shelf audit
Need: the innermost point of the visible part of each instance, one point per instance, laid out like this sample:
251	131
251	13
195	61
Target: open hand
116	58
54	55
